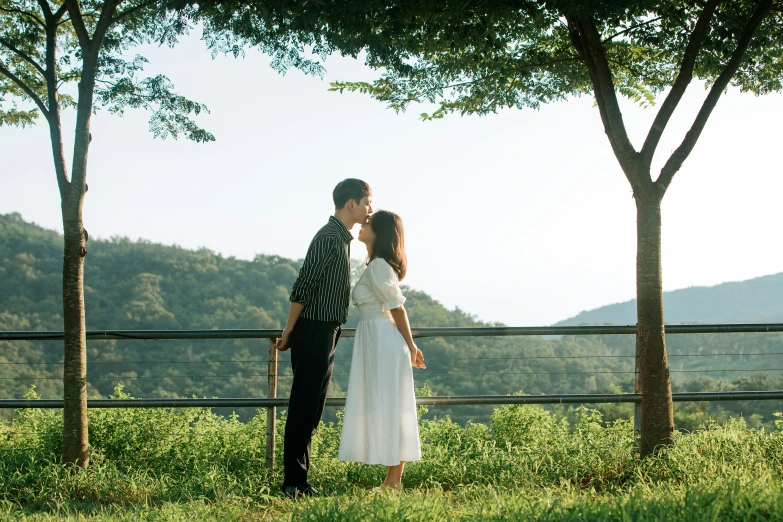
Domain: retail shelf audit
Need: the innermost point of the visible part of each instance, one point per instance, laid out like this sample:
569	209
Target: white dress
380	424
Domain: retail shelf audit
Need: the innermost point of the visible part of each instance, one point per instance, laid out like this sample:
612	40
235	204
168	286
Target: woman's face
366	234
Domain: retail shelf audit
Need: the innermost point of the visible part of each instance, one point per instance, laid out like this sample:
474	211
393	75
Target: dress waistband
369	312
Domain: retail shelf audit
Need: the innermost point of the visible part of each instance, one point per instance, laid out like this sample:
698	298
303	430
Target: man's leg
333	333
311	348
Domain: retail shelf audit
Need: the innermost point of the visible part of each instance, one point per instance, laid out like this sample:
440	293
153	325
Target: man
319	306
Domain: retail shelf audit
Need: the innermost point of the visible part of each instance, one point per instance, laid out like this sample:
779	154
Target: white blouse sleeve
385	285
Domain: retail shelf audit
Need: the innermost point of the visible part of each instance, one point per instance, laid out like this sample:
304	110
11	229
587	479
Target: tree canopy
479	57
43	47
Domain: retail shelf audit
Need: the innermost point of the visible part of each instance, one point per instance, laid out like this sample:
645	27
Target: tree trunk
657	425
75	433
75	438
75	448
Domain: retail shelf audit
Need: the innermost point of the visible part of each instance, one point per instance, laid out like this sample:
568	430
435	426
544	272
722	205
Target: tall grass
527	464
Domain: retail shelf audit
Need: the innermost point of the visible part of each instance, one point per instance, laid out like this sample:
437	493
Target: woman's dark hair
349	189
389	241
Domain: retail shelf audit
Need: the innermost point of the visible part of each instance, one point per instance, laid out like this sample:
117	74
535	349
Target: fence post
637	406
271	411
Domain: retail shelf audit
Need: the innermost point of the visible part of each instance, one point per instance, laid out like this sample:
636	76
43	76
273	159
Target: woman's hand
417	358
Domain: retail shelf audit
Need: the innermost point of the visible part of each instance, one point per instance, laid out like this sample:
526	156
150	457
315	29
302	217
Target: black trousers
312	359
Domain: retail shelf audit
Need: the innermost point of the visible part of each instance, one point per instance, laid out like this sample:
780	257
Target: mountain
758	300
142	285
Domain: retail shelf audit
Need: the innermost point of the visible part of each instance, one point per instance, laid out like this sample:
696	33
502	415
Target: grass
527	464
730	502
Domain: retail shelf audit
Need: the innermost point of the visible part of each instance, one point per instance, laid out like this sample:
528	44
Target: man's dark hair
349	189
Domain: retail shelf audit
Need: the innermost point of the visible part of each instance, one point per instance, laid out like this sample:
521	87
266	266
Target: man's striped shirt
323	285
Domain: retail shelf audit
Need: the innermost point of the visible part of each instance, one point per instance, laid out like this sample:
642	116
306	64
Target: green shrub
166	458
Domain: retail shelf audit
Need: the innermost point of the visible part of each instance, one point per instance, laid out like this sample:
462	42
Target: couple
380	424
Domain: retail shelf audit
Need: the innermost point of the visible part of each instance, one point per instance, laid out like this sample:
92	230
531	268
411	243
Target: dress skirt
380	425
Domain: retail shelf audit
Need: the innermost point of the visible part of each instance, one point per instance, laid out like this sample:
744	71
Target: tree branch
677	158
78	25
578	43
684	77
23	13
104	22
628	68
23	55
55	130
47	11
587	41
91	48
51	60
512	70
62	79
27	90
60	12
132	10
637	26
737	23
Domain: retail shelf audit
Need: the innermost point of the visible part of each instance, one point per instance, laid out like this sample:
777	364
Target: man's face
362	209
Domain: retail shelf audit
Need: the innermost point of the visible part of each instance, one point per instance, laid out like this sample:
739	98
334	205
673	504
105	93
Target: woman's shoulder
378	261
380	266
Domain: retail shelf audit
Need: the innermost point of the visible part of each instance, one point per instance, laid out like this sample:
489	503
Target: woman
380	424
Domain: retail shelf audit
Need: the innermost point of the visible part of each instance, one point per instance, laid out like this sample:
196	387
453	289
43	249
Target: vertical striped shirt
323	285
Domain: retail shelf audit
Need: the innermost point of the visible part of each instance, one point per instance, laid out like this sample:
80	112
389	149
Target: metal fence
272	402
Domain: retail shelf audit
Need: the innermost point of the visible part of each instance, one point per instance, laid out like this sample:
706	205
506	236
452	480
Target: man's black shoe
310	491
291	491
305	490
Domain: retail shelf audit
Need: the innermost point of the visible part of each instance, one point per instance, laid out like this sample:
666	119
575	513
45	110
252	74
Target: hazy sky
522	217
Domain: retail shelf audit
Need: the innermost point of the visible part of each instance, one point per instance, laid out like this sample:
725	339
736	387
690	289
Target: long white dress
380	424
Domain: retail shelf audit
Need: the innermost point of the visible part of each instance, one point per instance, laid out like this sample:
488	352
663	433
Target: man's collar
342	230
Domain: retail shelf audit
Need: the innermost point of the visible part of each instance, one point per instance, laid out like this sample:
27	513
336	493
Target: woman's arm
400	317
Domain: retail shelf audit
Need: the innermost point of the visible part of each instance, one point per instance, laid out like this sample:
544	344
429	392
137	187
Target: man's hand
417	358
284	343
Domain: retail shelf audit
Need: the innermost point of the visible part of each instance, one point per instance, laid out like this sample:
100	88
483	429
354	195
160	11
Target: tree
47	45
544	52
44	48
478	57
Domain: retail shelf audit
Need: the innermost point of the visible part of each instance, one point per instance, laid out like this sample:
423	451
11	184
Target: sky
523	217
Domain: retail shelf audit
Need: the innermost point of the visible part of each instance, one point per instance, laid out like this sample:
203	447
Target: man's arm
294	311
320	253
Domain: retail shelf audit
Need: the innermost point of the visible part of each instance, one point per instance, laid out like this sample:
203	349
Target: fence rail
272	402
500	331
460	400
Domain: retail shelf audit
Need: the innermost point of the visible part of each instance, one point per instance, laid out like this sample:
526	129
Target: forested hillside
758	300
141	285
